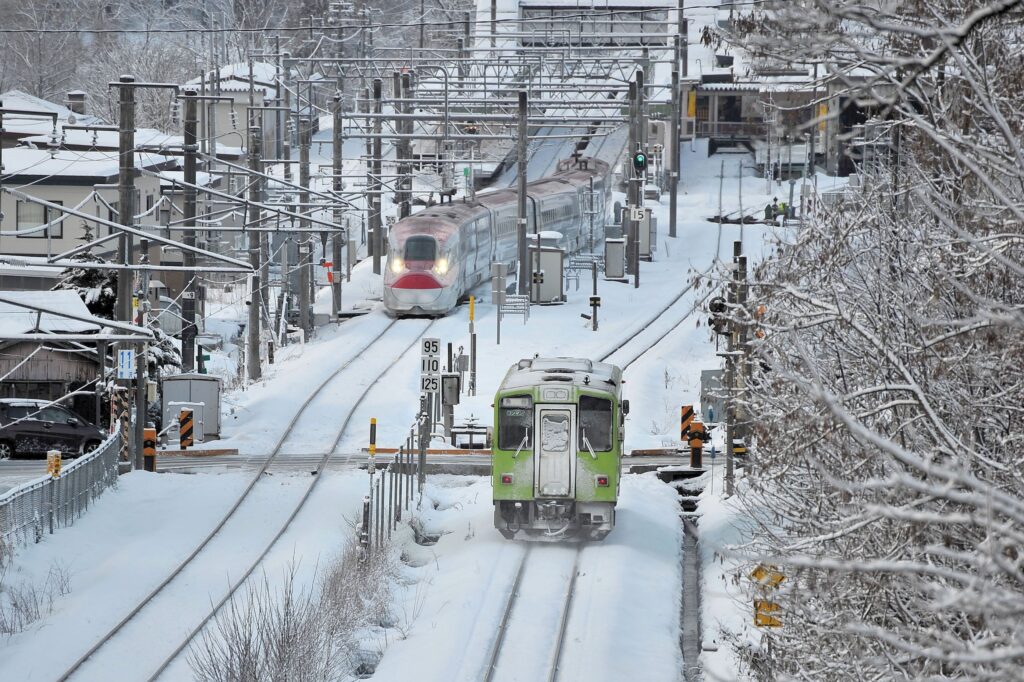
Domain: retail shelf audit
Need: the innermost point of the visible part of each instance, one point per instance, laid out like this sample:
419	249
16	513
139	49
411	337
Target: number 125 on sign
430	384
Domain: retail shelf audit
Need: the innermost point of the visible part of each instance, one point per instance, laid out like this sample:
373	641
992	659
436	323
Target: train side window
595	423
515	422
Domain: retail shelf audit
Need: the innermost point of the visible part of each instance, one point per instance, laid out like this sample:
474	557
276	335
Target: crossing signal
717	308
640	162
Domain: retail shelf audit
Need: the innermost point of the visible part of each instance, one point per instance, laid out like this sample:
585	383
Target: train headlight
397	265
506	479
441	266
602	481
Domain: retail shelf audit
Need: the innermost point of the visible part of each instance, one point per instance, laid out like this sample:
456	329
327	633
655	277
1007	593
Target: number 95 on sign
430	383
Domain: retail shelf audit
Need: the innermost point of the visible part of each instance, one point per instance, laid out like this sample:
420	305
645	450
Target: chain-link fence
32	509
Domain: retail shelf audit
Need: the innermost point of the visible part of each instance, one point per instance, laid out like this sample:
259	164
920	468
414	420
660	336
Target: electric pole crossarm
242	203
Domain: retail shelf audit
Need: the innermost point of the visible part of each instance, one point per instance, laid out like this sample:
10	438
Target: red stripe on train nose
416	280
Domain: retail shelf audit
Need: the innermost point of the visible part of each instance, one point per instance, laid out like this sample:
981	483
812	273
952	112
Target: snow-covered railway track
148	612
536	616
635	346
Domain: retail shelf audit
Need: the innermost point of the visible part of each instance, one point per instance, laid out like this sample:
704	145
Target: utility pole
521	145
304	240
252	343
376	231
126	216
405	208
125	193
730	364
188	296
673	142
336	184
140	358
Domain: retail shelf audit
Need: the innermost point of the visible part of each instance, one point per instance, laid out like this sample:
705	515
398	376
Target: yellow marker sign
769	576
691	104
53	463
822	115
472	306
763	610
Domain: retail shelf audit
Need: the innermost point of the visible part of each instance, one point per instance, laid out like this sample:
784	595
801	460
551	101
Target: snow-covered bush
887	390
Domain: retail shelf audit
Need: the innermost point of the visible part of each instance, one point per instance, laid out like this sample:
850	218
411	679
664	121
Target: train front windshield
420	248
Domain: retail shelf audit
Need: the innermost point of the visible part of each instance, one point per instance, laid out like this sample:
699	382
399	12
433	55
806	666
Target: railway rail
262	469
493	669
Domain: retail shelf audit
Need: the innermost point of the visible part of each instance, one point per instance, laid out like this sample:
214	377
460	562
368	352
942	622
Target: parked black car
32	427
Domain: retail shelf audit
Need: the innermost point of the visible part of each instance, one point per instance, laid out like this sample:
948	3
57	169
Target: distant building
52	370
46	119
83	180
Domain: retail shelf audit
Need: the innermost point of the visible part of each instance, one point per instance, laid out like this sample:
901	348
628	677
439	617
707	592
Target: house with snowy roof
52	370
23	115
84	181
228	117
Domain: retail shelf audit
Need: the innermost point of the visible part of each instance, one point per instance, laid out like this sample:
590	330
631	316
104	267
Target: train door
555	459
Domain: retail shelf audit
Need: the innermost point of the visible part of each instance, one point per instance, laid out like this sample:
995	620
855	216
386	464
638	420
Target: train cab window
595	424
515	423
420	247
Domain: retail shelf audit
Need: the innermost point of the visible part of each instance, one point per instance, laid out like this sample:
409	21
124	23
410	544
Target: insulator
234	120
175	111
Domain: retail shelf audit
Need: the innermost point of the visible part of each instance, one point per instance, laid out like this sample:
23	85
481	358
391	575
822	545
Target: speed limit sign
430	383
430	364
431	347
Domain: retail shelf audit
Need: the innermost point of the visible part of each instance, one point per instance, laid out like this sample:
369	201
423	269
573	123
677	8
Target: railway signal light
640	162
717	308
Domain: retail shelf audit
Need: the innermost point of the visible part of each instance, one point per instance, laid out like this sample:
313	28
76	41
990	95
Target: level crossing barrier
30	510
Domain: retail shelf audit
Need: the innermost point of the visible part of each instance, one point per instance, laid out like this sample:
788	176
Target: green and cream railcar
557	448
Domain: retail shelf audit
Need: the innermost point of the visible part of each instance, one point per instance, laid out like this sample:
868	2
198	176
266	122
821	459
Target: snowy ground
624	620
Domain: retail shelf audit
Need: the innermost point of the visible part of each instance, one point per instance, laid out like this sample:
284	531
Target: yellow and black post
185	428
119	417
697	438
685	420
149	448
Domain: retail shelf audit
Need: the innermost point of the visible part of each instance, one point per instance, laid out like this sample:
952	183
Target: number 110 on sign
430	364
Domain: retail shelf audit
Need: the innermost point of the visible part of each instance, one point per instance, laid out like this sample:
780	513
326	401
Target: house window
31	216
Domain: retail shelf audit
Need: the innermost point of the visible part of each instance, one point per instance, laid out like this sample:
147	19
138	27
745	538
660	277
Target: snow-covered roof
17	320
169	177
555	370
62	165
235	78
31	125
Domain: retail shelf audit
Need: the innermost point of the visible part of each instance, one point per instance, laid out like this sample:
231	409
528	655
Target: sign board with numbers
430	364
430	347
125	363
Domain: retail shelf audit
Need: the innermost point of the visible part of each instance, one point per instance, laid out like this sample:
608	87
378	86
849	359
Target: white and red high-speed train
438	255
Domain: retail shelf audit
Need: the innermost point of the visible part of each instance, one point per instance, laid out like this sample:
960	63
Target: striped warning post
149	449
119	417
739	448
185	428
685	419
697	437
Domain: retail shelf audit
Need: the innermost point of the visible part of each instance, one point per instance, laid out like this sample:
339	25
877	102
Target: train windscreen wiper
587	443
526	439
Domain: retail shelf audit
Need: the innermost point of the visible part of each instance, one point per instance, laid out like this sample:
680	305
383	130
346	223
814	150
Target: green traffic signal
640	162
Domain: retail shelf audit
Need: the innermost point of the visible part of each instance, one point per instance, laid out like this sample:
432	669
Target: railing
515	304
719	129
35	508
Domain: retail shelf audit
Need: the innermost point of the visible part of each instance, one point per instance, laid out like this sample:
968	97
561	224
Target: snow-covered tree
887	389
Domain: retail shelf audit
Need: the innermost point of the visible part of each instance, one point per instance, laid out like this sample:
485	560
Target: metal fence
35	508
